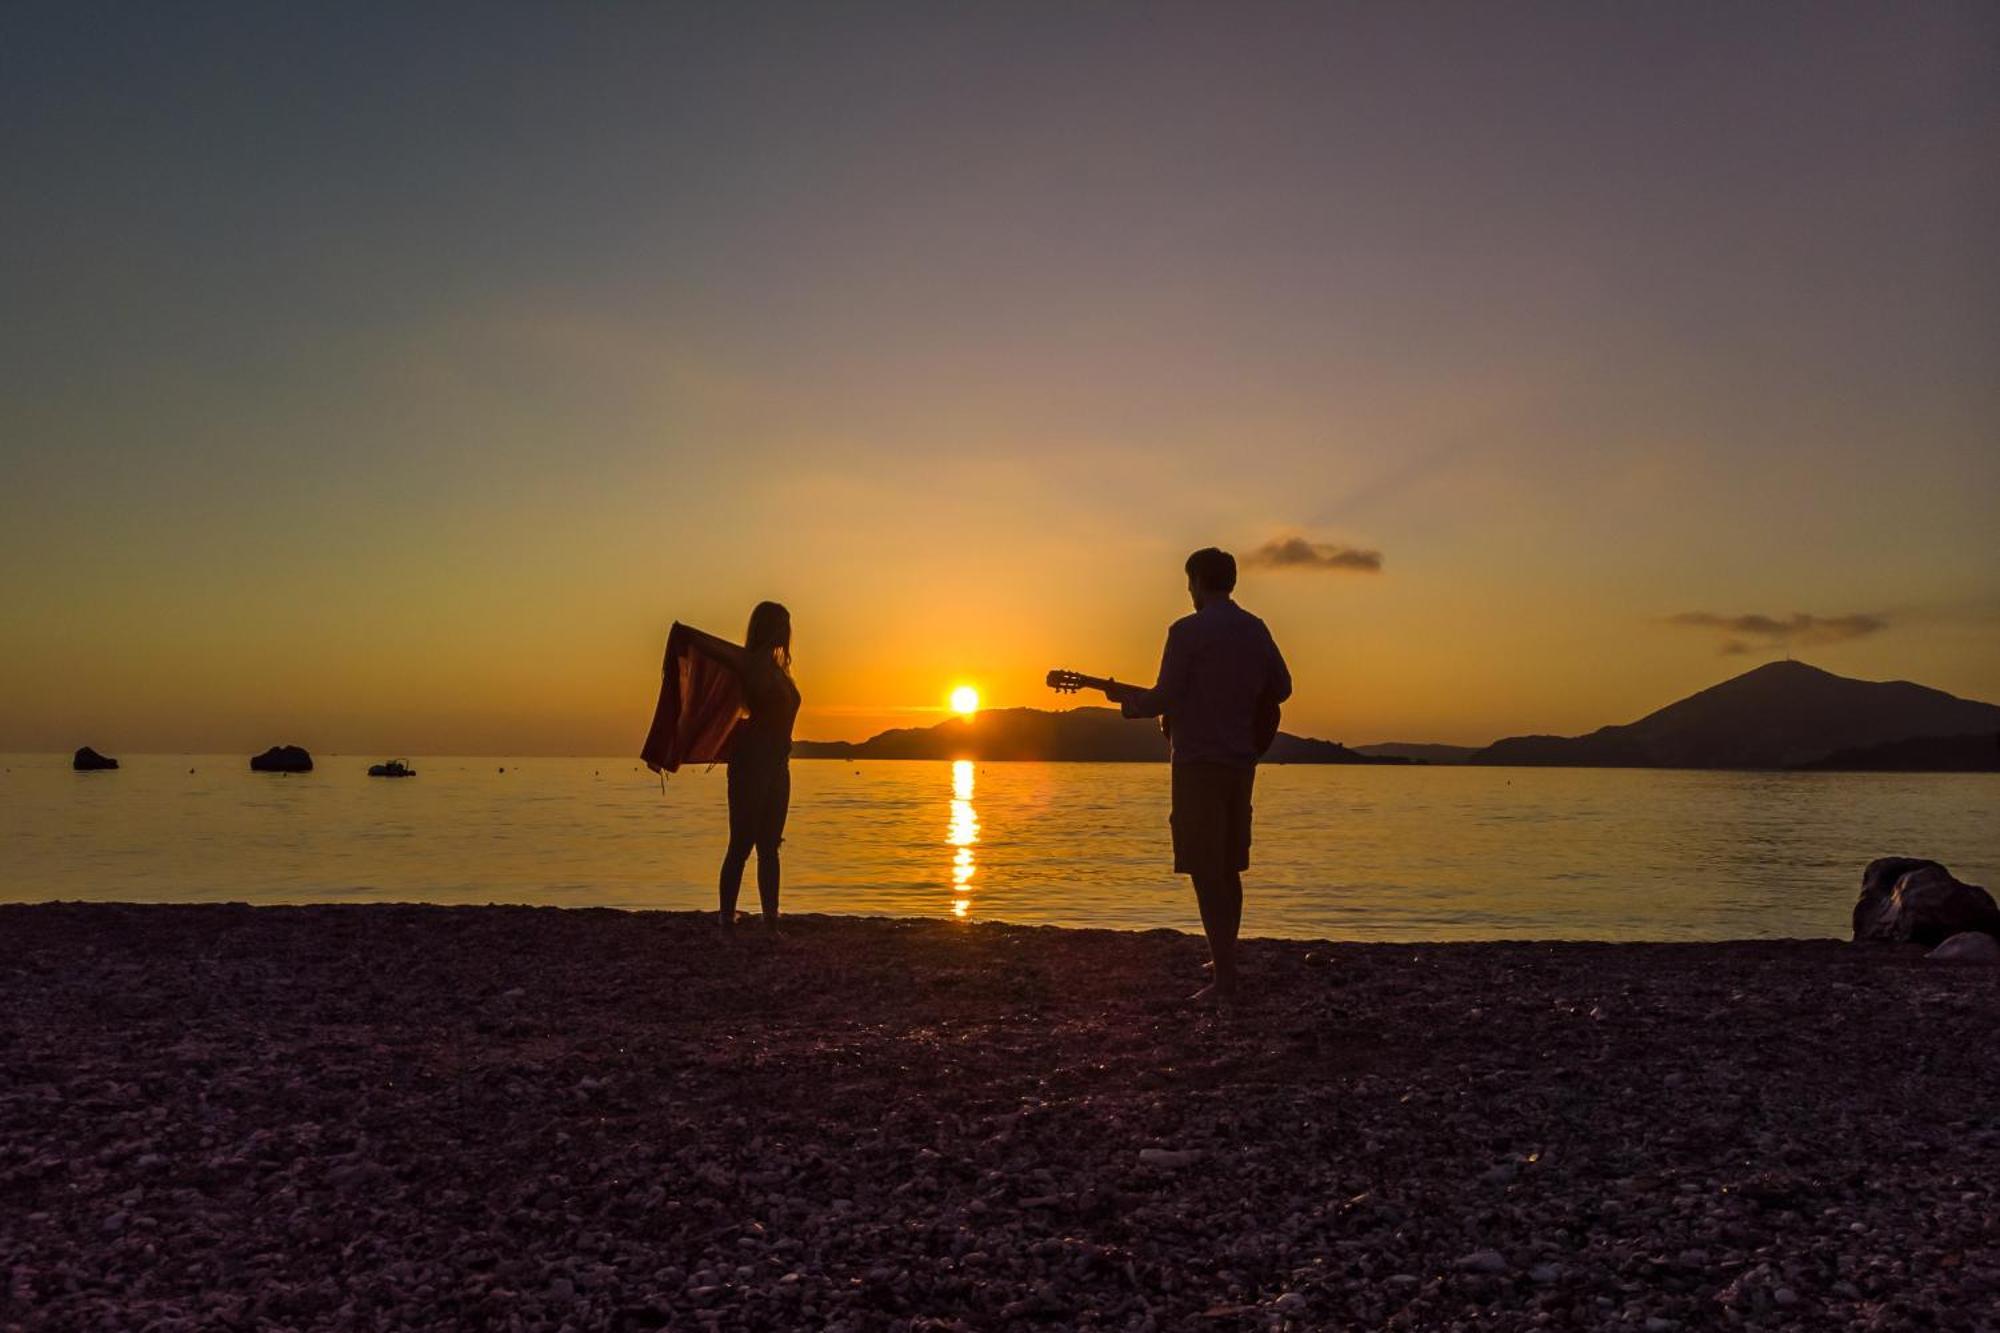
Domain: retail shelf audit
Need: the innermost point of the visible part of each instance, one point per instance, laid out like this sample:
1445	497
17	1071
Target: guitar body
1264	722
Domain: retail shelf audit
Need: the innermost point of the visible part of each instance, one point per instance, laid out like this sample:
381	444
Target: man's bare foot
1216	994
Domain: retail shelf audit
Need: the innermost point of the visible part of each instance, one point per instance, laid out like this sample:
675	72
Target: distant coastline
1782	716
1077	735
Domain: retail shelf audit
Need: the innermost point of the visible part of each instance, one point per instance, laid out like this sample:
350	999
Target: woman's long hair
770	634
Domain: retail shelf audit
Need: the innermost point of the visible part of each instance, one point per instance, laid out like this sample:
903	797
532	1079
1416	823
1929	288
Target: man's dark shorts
1211	817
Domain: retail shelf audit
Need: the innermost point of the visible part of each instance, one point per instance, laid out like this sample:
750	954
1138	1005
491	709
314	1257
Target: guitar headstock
1065	682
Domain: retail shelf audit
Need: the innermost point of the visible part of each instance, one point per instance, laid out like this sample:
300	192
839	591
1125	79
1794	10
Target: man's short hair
1212	570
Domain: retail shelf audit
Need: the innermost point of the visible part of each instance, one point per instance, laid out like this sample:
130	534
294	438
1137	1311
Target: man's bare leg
1232	902
1219	922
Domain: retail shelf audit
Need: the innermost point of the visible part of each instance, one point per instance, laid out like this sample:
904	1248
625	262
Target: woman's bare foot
1216	994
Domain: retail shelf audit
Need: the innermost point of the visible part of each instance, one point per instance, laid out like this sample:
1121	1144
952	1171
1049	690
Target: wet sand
389	1117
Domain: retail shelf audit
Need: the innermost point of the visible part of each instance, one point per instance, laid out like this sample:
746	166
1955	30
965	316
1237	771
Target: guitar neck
1068	682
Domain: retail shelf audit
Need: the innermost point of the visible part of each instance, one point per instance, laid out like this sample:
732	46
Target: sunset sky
387	378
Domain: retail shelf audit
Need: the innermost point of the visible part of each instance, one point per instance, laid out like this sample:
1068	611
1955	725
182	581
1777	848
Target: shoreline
376	1115
62	758
750	925
1190	930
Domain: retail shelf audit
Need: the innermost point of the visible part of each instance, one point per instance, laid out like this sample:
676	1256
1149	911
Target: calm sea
1345	852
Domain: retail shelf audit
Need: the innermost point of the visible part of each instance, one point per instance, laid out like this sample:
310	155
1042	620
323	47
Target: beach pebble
1482	1261
1169	1158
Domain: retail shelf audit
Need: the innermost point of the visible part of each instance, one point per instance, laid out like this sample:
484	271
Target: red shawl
701	700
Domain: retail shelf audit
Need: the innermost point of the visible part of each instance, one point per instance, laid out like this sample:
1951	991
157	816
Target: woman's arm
709	645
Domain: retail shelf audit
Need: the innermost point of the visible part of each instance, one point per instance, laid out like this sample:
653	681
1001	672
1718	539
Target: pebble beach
387	1117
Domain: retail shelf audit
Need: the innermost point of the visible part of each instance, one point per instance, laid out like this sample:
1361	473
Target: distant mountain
1977	753
1422	752
1290	749
1781	715
1077	735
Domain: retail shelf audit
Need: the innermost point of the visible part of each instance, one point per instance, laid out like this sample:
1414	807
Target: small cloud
1298	553
1749	633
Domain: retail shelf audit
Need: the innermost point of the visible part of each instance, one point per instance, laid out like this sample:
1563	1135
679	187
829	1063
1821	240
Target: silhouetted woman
760	770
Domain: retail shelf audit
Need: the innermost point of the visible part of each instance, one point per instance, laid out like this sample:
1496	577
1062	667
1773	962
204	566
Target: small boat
395	768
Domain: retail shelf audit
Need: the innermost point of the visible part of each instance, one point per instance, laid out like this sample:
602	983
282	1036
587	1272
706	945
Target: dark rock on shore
1909	900
282	759
88	760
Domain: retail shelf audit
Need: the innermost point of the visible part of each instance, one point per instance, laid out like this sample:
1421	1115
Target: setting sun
965	700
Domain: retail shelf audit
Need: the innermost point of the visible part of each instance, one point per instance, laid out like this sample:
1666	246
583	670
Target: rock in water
90	761
282	759
1908	900
1968	946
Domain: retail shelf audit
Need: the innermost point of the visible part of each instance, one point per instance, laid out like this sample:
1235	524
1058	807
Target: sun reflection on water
962	833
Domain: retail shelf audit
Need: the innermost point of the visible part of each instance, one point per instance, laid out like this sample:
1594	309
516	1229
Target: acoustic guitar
1264	722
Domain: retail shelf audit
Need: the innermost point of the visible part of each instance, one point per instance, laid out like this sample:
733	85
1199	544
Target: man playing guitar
1220	683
